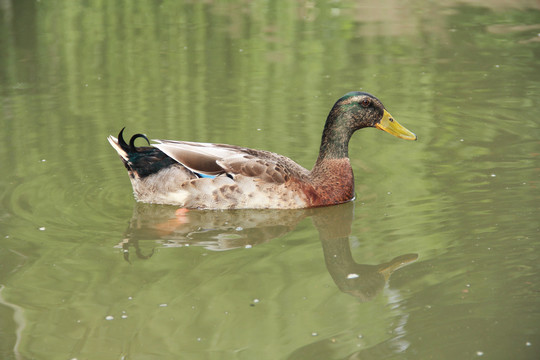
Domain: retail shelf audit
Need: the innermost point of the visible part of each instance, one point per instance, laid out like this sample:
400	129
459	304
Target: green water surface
437	257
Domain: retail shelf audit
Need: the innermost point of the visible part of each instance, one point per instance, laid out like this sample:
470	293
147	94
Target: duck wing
198	157
216	159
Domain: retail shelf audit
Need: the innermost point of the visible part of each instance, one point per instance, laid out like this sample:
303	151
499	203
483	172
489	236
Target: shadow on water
228	230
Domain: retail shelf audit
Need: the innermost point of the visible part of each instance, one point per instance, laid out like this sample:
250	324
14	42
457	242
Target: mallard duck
219	176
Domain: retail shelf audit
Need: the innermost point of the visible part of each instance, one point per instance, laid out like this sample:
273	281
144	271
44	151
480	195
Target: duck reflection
226	230
359	280
213	229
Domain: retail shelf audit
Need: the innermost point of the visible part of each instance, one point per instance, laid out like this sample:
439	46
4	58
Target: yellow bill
391	126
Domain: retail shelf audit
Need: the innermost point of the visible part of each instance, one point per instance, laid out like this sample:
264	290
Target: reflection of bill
233	229
361	281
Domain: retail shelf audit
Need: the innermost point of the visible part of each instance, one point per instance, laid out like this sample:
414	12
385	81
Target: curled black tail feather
121	141
133	138
131	148
143	161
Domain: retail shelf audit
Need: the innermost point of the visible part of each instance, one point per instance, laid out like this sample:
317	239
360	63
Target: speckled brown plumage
220	176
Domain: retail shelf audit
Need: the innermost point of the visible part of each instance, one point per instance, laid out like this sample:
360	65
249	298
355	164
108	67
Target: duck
197	175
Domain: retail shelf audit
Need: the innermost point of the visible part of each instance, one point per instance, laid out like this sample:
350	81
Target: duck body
246	178
220	176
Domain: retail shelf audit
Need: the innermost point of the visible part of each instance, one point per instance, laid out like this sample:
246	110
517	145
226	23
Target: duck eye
365	102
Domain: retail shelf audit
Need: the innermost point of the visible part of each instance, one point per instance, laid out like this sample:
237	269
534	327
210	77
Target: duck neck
335	137
332	175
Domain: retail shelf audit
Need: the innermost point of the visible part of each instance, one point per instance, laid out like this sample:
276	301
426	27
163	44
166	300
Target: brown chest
332	182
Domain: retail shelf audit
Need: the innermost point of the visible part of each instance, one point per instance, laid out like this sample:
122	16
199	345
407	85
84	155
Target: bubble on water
480	353
352	276
528	343
314	334
109	317
163	305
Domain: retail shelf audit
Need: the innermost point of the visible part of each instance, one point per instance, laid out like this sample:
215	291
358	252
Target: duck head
357	110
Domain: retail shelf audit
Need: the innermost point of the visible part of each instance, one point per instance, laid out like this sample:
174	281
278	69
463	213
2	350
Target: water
436	258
